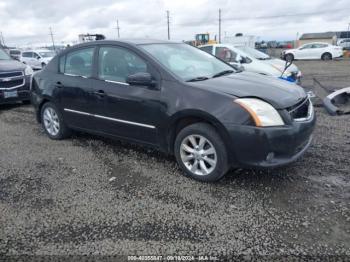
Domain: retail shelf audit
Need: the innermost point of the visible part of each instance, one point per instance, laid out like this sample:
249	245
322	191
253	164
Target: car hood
11	65
280	64
279	93
46	59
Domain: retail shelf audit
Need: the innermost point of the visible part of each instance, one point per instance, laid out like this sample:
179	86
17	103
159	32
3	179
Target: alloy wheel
198	155
51	121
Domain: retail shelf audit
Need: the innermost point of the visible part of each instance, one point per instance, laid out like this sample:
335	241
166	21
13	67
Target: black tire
326	57
289	57
210	134
63	130
43	65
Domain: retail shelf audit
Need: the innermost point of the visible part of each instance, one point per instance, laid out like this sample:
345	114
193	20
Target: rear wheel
326	57
52	122
289	57
201	153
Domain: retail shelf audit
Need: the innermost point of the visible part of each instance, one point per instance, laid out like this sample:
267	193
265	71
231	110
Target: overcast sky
28	21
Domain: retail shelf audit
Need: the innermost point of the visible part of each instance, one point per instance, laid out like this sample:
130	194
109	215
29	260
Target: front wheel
52	122
201	153
289	57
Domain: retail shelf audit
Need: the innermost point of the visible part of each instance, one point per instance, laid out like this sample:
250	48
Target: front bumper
256	147
23	93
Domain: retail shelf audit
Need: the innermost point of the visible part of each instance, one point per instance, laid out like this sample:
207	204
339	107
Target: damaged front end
338	102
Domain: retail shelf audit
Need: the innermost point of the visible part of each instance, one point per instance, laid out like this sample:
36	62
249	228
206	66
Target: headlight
28	71
262	113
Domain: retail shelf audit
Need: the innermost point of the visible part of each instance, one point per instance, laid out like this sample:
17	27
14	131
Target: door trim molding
109	118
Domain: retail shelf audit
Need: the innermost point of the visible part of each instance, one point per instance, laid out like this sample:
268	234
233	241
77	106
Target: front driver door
132	112
304	52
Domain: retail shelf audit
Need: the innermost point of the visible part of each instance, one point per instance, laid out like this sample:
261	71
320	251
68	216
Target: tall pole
168	23
219	26
349	30
53	42
118	28
2	40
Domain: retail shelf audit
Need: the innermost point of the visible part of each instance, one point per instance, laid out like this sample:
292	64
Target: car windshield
47	54
187	62
254	53
4	55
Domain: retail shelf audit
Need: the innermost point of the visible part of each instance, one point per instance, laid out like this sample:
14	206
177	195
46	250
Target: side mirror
140	79
38	57
243	60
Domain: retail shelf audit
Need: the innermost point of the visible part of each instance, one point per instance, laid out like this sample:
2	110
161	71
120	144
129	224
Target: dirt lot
56	198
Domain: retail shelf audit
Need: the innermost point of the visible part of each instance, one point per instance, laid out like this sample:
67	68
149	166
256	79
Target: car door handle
99	93
59	84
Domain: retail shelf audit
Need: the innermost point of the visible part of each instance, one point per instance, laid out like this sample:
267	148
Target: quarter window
27	54
116	64
79	62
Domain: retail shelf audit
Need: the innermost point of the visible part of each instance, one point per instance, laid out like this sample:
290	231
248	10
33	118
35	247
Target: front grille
11	80
10	74
12	83
301	110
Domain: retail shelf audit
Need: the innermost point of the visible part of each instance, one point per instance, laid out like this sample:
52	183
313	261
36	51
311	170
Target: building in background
325	37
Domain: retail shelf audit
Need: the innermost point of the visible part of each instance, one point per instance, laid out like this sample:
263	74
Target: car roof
317	43
126	41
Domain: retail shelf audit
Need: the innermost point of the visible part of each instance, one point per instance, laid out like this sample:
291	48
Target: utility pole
2	40
219	26
118	28
168	23
53	42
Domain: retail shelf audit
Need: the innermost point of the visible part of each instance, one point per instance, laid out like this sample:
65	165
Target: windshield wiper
225	72
199	78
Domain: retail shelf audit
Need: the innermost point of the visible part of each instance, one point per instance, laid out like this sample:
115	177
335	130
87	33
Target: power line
288	15
168	23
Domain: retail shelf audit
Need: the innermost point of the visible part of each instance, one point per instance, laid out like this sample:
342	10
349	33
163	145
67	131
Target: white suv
37	59
315	50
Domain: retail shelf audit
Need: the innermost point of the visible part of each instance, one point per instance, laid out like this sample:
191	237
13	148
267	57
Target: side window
79	62
306	46
208	49
27	54
225	54
62	63
116	64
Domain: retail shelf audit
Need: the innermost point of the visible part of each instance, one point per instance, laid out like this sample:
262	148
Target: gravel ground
88	195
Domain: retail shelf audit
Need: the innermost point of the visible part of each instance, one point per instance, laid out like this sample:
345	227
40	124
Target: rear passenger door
74	90
27	58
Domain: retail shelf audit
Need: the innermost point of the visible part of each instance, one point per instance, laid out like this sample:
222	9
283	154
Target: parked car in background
317	50
37	59
344	43
275	62
14	79
15	54
248	62
176	98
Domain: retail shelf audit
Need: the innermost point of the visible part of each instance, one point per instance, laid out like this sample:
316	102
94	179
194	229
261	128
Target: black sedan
14	79
176	98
